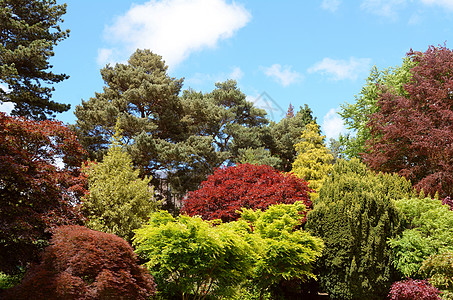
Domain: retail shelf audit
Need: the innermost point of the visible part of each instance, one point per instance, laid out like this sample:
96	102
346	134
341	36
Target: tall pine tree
30	30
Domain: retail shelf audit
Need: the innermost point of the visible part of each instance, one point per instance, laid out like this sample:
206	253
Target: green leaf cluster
118	201
30	30
190	258
285	252
429	232
185	136
314	161
438	268
356	115
193	258
355	214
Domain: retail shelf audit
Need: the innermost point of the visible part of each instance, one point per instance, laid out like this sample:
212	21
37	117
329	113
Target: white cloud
331	5
448	4
200	78
283	75
175	28
105	56
341	69
332	125
383	8
6	107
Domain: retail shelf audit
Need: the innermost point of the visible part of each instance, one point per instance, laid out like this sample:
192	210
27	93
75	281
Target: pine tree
314	161
29	32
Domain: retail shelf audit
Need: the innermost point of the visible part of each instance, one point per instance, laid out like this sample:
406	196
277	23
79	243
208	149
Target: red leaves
413	289
413	134
85	264
36	194
244	185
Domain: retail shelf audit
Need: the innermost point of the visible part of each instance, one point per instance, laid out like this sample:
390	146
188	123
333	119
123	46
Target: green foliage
8	281
258	156
118	201
356	115
189	257
282	136
30	30
355	215
184	136
284	252
430	231
314	161
439	269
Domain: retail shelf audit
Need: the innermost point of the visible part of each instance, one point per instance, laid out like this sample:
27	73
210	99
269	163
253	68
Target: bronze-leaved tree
40	186
412	132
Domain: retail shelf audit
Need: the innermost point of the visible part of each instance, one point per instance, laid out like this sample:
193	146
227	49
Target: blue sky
301	52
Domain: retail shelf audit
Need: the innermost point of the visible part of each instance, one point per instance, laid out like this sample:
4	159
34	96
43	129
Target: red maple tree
82	263
244	185
413	134
36	194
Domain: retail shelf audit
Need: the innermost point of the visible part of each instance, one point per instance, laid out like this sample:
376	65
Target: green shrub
355	215
429	232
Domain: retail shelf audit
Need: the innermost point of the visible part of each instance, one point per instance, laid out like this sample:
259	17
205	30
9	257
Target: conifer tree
30	30
282	136
355	215
314	161
118	201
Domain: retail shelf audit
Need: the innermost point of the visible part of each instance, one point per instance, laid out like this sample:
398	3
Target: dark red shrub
413	289
245	185
82	263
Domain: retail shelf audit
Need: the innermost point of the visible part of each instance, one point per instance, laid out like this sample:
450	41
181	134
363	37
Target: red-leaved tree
413	134
82	263
36	194
244	185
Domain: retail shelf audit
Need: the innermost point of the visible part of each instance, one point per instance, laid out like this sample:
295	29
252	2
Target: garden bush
85	264
355	215
228	190
411	289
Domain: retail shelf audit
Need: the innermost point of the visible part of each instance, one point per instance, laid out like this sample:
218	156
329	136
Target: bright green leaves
118	200
356	115
314	161
189	256
429	232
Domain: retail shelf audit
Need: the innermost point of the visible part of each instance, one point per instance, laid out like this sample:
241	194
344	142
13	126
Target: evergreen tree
186	137
30	30
355	215
282	136
314	161
118	201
